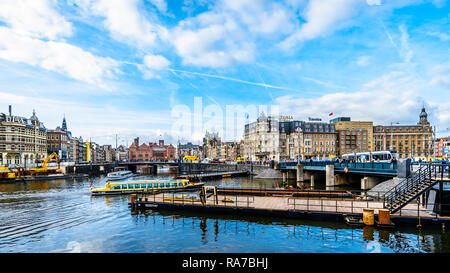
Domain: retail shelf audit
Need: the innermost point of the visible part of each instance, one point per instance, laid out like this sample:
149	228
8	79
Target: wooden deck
280	203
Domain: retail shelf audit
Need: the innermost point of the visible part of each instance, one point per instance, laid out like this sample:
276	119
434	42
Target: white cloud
405	51
161	5
374	2
56	56
440	75
35	18
363	61
125	21
156	62
153	64
322	17
439	3
89	118
227	34
394	95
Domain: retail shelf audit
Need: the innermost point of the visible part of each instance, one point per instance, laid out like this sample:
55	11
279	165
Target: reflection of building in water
367	239
204	229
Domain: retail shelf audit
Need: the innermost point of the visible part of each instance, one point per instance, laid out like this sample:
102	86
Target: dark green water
61	216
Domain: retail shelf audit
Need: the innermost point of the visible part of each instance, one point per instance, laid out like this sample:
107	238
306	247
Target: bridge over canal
368	174
151	167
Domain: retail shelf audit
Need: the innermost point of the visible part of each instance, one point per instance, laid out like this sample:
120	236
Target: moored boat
142	186
120	175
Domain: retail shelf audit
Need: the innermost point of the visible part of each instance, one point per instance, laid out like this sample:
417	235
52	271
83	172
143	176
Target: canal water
61	216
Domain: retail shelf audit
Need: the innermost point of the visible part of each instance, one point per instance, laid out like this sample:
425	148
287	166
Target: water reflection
313	236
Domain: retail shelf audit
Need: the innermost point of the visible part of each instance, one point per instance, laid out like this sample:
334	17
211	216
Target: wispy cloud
234	80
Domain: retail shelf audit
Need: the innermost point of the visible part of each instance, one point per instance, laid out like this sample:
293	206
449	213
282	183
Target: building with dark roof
22	140
282	138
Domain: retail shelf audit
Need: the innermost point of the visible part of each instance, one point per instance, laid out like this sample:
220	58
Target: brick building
151	152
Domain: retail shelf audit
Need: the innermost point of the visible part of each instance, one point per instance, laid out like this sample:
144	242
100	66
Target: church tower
64	124
423	118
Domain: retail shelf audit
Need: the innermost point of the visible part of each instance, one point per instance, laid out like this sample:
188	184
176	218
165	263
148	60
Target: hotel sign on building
271	139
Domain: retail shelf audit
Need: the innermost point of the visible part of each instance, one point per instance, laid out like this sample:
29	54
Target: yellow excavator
6	173
44	169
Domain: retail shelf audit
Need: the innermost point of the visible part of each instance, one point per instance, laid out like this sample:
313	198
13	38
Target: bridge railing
357	165
367	165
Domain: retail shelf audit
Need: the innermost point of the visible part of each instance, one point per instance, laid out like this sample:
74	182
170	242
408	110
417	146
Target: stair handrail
413	180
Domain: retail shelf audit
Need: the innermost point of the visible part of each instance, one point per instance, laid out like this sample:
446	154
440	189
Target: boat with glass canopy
142	186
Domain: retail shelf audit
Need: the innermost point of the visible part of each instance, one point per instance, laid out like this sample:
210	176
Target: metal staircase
413	186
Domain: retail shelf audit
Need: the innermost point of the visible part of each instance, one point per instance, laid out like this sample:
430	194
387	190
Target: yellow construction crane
44	169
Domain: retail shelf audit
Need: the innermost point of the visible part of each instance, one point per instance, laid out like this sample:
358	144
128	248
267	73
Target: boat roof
120	172
148	181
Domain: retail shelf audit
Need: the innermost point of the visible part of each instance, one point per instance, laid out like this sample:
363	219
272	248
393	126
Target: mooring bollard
384	216
368	217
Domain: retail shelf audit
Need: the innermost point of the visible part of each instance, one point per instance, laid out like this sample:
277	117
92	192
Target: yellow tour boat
142	186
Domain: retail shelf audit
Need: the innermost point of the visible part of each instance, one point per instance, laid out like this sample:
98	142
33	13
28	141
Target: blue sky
124	67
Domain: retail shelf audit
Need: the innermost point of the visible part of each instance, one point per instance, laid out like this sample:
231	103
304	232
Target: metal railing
331	204
169	198
419	181
356	165
415	209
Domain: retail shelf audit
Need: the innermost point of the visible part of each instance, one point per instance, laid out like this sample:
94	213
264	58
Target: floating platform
287	207
284	192
42	177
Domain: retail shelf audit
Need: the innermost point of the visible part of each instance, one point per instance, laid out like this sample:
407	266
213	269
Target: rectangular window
131	186
168	185
161	185
143	186
124	186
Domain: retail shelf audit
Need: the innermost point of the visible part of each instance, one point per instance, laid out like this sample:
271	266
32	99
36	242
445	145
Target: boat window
143	186
180	184
131	186
152	185
161	185
116	187
168	185
137	186
124	186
